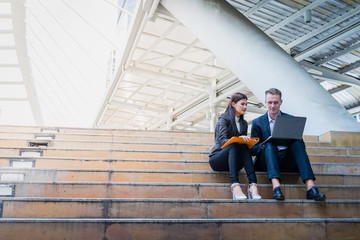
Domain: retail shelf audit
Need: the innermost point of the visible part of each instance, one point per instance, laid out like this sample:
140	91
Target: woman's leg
228	159
245	157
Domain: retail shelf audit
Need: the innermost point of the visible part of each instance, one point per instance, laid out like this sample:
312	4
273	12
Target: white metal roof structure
167	73
53	60
15	62
164	74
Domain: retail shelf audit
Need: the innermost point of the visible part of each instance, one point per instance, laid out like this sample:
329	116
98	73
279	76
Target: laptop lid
288	127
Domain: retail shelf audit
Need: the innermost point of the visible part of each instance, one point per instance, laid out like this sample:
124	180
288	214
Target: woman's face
240	107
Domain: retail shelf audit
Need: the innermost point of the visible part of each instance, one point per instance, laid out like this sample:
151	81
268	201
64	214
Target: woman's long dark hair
234	99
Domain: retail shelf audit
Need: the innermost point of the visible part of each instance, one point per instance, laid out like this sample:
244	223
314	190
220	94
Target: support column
170	119
18	13
260	63
212	108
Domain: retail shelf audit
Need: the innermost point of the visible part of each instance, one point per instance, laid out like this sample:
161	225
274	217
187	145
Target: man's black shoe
277	194
314	194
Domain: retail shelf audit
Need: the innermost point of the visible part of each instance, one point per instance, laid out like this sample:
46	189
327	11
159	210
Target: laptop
287	128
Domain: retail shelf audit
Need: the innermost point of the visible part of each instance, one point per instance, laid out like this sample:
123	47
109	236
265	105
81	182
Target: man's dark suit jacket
260	129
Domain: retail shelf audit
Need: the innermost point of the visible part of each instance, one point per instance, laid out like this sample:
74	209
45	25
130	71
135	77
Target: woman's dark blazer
226	129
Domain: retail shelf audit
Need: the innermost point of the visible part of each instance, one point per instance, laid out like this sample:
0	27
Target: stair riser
21	138
111	164
109	154
169	144
158	165
205	139
98	131
340	169
146	231
178	210
166	191
148	155
108	142
158	177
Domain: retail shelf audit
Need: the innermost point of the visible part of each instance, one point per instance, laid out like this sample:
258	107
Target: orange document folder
239	140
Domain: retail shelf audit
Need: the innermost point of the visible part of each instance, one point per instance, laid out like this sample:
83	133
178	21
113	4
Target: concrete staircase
115	184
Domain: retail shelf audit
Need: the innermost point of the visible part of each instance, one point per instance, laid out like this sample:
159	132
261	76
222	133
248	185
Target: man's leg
272	162
302	160
298	151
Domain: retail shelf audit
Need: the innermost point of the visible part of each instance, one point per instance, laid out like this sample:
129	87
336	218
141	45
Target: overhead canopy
171	80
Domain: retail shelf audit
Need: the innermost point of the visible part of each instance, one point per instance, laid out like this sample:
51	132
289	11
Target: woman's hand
245	138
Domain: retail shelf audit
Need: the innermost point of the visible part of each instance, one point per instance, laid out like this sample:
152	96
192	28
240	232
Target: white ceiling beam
338	89
181	109
354	110
4	15
134	107
294	16
9	65
191	103
256	7
349	68
354	29
338	54
158	41
14	99
190	83
163	55
228	93
202	64
353	106
195	109
11	83
329	75
200	106
10	47
326	26
253	109
6	31
228	81
198	129
177	56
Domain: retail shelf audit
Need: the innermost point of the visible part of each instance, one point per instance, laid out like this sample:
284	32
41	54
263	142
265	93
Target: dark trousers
233	158
293	159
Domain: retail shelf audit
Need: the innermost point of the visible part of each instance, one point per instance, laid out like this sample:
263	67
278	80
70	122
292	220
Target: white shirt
237	121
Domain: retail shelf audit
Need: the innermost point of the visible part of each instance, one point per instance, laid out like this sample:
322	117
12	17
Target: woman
235	156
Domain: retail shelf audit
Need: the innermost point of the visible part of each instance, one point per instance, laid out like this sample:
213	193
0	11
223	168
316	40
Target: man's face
273	103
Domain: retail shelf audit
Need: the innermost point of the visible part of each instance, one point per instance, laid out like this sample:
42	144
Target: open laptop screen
287	128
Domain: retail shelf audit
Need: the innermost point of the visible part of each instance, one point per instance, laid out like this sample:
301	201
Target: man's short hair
273	91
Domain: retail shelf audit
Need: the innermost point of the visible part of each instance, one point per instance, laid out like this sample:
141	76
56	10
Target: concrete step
104	153
161	190
176	208
339	139
350	157
159	176
106	145
99	131
164	229
124	164
21	137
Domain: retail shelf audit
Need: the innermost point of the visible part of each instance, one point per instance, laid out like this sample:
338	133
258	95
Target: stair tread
242	172
194	220
177	200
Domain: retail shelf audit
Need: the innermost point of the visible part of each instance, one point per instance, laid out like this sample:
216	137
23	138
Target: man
291	157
